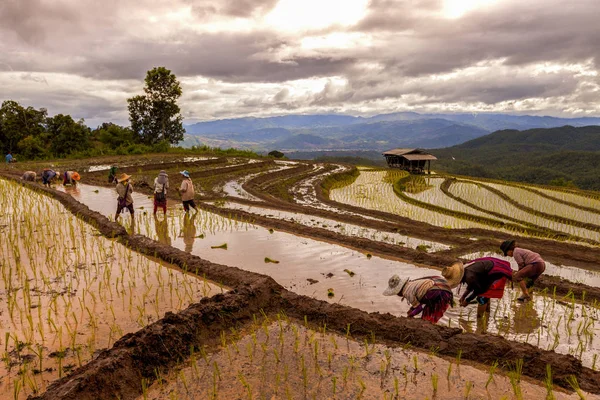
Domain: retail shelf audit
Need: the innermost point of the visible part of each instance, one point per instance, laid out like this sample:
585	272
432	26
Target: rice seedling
222	246
572	381
269	260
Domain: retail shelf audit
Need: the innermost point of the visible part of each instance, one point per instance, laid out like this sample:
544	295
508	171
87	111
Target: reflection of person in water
189	231
526	318
162	230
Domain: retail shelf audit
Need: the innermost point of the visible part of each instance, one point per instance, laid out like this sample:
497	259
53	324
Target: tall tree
155	116
66	135
17	123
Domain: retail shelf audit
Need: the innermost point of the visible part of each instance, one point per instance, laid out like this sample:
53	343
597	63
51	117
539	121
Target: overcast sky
271	57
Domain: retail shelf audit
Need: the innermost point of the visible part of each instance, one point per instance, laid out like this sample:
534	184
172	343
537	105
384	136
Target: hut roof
410	154
415	157
398	152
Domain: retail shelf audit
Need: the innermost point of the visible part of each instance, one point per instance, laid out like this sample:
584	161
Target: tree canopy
155	115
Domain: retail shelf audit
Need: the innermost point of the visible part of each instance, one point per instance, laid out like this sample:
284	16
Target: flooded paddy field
317	276
333	273
67	292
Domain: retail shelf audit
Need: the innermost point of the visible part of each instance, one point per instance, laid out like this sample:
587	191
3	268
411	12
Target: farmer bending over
431	295
485	279
531	266
187	192
9	158
161	184
48	175
29	176
125	199
71	178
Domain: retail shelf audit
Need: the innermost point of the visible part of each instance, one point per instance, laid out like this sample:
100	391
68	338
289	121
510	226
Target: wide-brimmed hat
123	177
395	285
185	173
506	245
75	176
454	274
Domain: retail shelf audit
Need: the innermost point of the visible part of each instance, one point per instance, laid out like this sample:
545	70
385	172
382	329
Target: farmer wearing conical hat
485	279
71	178
431	295
531	266
187	192
125	199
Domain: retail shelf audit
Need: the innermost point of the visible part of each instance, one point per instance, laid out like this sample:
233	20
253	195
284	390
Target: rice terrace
273	288
299	200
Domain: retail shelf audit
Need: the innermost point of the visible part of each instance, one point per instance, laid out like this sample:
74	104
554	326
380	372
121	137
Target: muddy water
68	292
315	269
286	360
248	245
342	227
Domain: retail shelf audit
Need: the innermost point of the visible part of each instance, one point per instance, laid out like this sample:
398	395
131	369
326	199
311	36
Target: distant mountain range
380	132
546	156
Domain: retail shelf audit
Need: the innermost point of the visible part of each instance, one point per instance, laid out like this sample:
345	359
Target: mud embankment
160	345
161	166
118	372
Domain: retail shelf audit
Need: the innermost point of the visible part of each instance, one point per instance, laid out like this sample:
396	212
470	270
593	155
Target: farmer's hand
463	303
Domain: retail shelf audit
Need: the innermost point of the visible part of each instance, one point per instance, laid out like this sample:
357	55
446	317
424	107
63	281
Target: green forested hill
544	156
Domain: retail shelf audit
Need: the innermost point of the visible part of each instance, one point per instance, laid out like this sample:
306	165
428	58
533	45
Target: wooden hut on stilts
415	161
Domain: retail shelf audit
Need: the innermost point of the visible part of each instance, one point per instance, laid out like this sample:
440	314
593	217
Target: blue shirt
9	158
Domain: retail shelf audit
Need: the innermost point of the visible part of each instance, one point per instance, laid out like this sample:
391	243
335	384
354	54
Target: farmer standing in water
125	199
161	184
187	192
531	266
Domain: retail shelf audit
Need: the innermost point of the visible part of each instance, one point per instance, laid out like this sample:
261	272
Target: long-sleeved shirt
187	190
125	190
525	257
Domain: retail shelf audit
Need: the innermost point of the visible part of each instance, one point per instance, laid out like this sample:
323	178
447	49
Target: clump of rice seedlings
369	255
330	293
349	272
270	260
572	381
271	230
223	246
